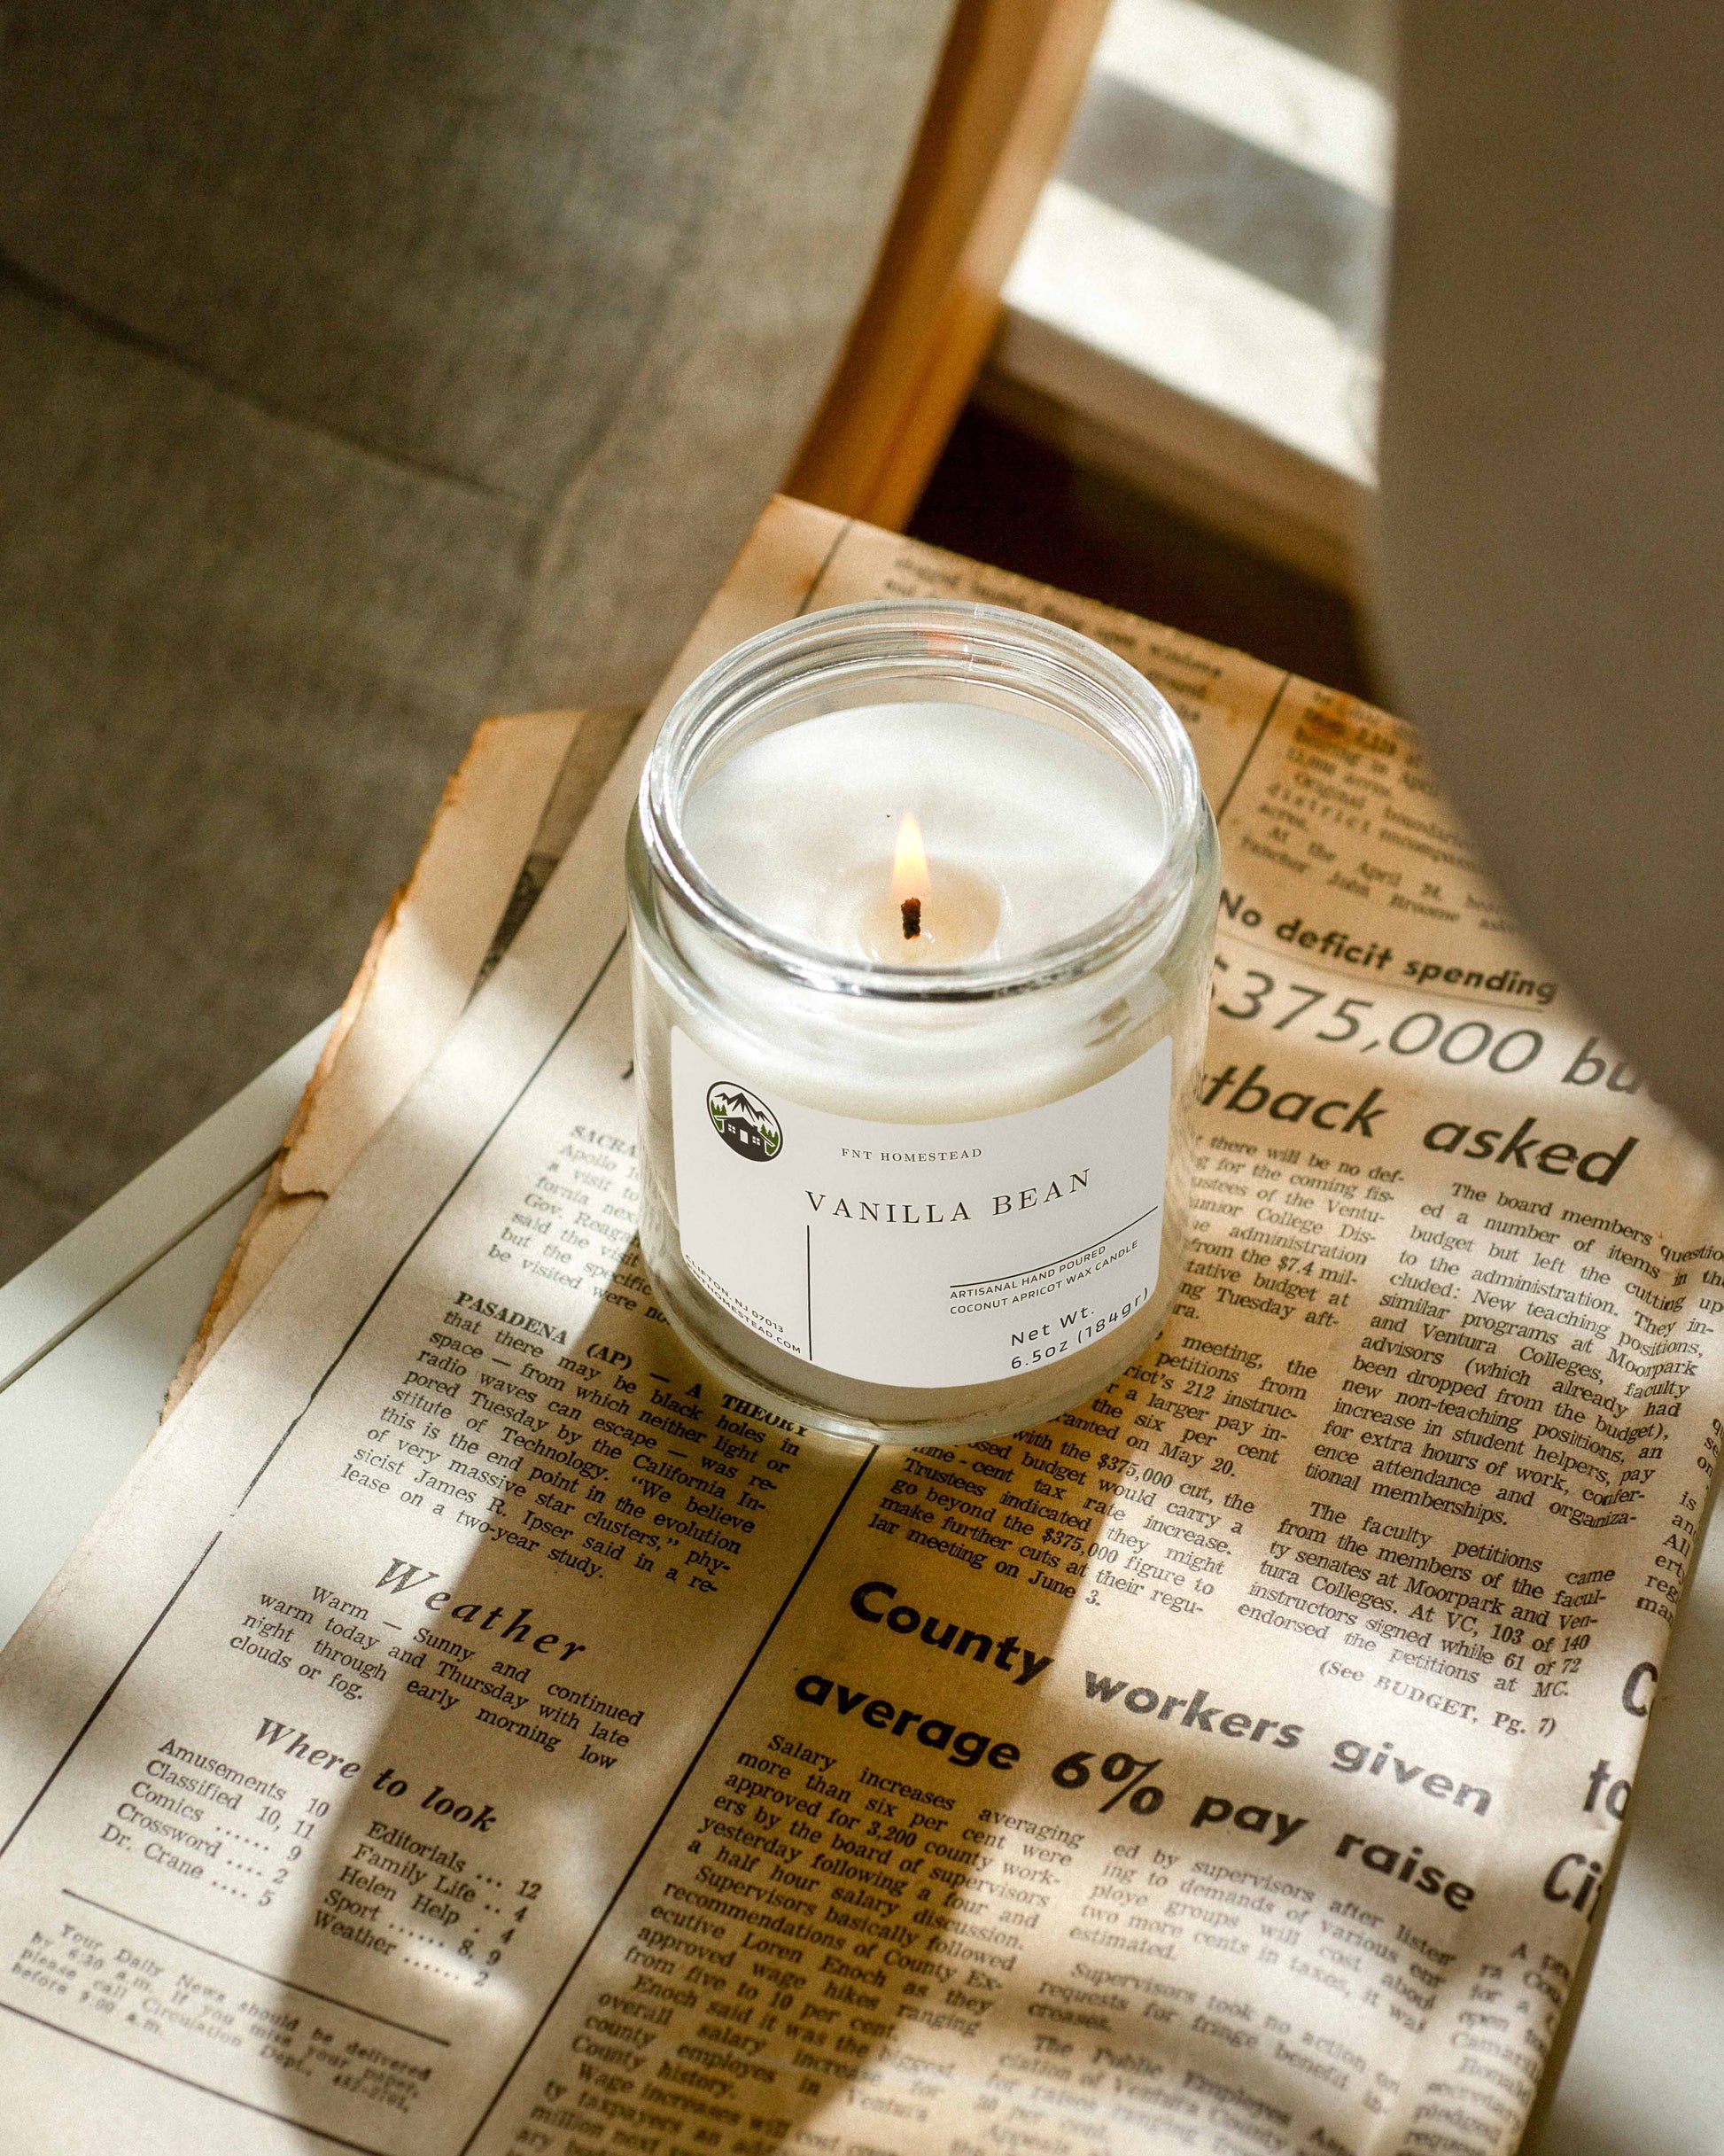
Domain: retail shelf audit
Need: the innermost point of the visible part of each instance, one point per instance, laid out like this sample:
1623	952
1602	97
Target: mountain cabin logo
748	1127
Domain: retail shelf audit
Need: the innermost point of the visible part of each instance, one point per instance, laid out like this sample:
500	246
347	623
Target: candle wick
911	910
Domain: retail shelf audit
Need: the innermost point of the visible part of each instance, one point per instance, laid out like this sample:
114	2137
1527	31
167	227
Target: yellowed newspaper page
472	1730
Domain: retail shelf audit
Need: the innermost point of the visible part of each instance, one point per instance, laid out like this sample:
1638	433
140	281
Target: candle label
926	1254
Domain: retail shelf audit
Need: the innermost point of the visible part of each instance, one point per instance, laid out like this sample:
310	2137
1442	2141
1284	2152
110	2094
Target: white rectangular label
924	1254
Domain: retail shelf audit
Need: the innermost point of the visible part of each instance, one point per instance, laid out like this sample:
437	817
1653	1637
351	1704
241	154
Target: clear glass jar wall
939	1194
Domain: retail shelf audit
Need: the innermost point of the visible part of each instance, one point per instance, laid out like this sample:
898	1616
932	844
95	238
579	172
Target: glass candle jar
922	900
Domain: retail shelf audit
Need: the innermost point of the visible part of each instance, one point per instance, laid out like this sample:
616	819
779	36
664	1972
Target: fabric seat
362	371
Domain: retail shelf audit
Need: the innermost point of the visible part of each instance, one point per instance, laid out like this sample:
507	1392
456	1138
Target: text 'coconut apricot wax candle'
923	899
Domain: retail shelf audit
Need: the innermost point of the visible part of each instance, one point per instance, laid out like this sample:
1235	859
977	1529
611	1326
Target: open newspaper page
472	1728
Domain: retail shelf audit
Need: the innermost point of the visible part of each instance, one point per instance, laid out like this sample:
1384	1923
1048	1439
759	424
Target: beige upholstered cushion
364	370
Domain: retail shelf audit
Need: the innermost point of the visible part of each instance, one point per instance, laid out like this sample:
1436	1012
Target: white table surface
92	1334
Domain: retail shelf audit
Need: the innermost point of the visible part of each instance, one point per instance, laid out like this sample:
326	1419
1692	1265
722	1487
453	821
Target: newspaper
506	818
472	1728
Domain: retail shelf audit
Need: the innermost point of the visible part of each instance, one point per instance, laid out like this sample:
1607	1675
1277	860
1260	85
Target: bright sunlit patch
1260	87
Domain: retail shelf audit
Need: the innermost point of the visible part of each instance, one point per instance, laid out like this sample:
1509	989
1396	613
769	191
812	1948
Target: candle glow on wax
920	915
1019	834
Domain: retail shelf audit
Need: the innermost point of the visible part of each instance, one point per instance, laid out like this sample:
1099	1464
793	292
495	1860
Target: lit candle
922	904
912	921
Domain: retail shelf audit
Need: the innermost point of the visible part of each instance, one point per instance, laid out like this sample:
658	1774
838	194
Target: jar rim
943	642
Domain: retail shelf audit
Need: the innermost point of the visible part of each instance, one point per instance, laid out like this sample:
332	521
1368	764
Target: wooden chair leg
1008	85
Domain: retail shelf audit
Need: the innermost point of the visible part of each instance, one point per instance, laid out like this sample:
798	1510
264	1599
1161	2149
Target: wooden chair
1008	85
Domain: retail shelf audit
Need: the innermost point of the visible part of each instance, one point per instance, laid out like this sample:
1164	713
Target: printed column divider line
639	1856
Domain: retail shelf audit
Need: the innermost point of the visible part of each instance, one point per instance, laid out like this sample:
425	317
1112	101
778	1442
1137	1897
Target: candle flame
910	866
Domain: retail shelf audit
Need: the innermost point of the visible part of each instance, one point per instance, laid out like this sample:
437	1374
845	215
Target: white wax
795	827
